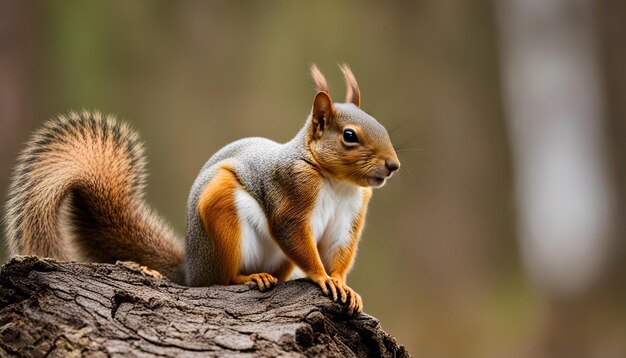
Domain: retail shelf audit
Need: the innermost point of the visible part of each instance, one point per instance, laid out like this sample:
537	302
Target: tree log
67	309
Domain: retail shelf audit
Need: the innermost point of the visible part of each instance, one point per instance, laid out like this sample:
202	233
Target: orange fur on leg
289	221
218	213
283	271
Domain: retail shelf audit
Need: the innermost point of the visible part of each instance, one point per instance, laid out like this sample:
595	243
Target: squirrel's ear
318	79
322	113
353	94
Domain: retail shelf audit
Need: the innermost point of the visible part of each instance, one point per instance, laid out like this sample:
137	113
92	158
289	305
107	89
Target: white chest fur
336	207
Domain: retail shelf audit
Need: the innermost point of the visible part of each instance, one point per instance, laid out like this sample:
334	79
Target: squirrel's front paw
356	303
338	289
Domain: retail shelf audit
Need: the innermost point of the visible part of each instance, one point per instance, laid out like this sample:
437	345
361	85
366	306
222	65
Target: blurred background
503	234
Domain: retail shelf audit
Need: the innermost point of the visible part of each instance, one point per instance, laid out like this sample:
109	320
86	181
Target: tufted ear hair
353	94
318	78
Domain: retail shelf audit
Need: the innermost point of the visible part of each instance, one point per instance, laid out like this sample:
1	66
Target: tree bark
61	309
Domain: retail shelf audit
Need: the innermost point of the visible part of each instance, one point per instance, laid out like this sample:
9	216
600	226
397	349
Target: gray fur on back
254	161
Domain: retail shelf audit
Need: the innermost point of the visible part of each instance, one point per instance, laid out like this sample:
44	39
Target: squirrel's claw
334	285
338	290
264	281
356	304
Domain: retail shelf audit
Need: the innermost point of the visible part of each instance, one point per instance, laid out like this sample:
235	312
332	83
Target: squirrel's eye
349	136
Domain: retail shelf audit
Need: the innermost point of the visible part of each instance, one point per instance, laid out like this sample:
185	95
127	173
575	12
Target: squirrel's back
77	193
253	159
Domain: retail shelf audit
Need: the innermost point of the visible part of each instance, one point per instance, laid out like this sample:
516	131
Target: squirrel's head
346	142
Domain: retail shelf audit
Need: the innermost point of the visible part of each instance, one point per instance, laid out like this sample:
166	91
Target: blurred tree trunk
555	109
554	101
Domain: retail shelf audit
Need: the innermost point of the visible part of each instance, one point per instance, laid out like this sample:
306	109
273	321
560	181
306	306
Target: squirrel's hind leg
264	281
218	260
222	256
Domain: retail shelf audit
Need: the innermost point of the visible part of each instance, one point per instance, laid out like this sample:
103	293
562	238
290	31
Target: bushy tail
77	193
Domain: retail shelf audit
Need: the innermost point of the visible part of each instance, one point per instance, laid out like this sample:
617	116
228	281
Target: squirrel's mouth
376	181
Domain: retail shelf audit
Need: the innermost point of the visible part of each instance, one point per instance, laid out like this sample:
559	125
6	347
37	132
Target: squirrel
256	210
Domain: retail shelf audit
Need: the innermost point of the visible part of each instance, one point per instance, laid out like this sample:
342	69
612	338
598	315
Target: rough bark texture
50	308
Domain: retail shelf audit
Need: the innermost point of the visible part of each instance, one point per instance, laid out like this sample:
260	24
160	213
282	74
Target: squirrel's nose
392	165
